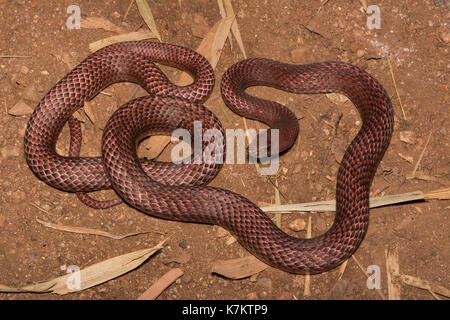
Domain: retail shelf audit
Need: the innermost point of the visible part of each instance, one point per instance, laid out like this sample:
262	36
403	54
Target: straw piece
161	284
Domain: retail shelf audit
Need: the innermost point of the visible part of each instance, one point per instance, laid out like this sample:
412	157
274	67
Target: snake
179	192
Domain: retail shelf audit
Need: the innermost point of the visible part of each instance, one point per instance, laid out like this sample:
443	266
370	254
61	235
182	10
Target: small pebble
445	37
408	137
182	244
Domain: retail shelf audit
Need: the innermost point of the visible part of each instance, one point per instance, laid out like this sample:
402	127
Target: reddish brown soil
412	35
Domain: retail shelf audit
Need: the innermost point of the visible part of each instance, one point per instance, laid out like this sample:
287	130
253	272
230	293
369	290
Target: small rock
445	36
186	278
360	53
180	258
230	240
20	109
407	137
297	225
182	244
406	157
45	73
298	55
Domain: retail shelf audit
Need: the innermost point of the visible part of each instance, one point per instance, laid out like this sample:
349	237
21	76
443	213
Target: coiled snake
175	191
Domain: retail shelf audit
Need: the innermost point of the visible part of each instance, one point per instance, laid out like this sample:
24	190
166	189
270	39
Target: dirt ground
413	35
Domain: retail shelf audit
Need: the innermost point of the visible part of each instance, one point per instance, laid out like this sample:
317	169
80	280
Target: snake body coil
176	192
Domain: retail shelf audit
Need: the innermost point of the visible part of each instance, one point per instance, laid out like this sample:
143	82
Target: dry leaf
422	176
424	284
223	14
234	27
87	230
90	276
100	23
393	270
88	111
147	15
330	205
408	137
277	216
307	288
239	268
66	58
211	47
80	115
443	194
132	36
